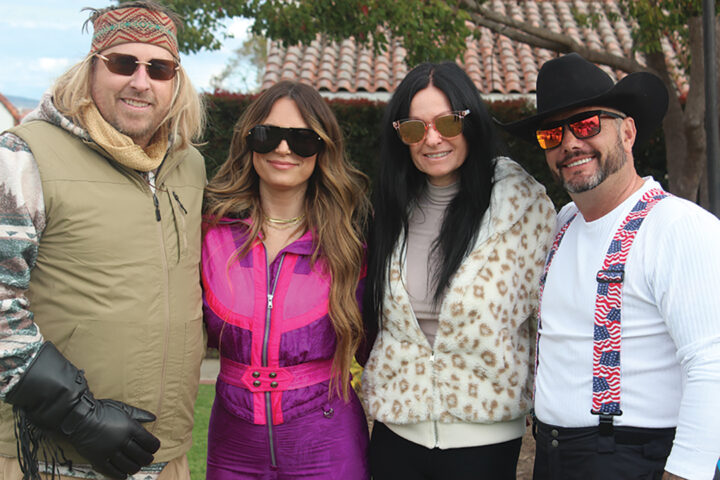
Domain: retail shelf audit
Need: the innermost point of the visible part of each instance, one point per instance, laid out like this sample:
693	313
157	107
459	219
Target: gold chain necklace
283	222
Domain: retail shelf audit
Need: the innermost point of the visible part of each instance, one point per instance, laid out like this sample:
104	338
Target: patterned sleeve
22	220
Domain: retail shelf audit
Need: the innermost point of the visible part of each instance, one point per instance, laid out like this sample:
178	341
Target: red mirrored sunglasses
583	125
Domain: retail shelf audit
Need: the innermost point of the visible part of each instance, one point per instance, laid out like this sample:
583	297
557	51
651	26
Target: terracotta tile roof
497	64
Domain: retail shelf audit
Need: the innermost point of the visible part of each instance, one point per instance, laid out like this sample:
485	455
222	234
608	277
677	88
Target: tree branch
543	38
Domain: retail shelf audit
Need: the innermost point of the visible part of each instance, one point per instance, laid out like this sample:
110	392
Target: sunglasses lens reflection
550	138
304	142
449	125
412	131
586	128
122	64
263	140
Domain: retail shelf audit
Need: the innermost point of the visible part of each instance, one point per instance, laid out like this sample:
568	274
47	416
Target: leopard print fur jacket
480	368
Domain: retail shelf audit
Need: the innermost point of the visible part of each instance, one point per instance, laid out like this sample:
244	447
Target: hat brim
640	95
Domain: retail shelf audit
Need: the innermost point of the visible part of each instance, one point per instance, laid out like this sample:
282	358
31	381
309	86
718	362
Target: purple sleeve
213	325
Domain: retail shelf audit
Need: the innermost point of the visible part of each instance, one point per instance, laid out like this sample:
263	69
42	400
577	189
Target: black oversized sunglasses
302	141
121	64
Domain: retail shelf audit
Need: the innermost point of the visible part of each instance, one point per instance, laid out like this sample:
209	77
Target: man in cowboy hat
100	306
628	373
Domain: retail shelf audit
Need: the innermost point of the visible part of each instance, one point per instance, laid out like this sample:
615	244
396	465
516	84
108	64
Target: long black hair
399	184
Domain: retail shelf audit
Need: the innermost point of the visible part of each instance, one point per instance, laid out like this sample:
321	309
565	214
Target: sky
40	39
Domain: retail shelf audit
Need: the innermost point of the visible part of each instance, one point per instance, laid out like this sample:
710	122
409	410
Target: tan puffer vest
116	284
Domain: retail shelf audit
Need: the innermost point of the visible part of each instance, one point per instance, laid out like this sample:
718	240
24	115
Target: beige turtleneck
423	228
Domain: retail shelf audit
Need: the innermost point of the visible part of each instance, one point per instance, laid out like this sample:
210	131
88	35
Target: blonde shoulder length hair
185	119
336	207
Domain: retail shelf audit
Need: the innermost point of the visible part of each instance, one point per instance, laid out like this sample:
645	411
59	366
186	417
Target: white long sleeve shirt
670	354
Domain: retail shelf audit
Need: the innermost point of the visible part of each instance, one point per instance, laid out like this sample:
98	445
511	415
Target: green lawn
196	455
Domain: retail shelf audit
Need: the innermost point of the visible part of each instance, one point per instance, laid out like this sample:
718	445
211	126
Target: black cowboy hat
571	81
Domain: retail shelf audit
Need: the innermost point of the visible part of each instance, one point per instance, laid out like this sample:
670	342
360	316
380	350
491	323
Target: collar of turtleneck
441	196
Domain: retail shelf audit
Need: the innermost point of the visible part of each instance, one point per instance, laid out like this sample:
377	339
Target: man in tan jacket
100	305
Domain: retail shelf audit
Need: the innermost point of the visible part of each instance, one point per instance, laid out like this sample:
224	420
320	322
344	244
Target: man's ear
628	133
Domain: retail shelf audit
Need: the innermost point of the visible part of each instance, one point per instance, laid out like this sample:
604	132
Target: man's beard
611	164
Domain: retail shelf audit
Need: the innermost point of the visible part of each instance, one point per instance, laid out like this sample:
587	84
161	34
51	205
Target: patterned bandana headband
133	24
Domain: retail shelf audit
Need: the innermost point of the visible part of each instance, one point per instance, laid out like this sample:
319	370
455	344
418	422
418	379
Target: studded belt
278	379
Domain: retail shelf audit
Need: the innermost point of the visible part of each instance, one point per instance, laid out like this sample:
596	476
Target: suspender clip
605	426
606	432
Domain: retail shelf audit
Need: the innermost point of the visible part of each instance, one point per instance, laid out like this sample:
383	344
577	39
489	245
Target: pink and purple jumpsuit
273	417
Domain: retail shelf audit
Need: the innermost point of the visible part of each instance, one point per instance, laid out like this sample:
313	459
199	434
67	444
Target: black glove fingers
135	431
138	414
113	441
123	463
145	440
137	453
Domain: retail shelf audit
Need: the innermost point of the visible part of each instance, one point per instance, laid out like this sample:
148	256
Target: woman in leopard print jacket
455	252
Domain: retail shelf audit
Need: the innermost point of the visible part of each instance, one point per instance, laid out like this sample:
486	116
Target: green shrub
224	109
360	123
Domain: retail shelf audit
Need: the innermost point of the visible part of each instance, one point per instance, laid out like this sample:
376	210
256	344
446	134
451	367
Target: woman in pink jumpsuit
282	269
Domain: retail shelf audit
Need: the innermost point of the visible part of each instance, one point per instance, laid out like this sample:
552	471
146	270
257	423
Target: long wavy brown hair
336	207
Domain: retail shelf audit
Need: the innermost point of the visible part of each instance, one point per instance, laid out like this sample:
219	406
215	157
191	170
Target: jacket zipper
180	227
156	202
433	373
434	385
177	199
266	339
166	271
435	392
152	181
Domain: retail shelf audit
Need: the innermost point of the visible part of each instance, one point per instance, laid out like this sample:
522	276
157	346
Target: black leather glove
55	397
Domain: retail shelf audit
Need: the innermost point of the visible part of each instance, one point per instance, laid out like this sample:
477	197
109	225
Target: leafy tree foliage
439	29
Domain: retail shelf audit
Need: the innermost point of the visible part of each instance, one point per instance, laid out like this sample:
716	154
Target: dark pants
583	454
394	458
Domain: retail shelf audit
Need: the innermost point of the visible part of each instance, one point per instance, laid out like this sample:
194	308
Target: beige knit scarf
120	146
